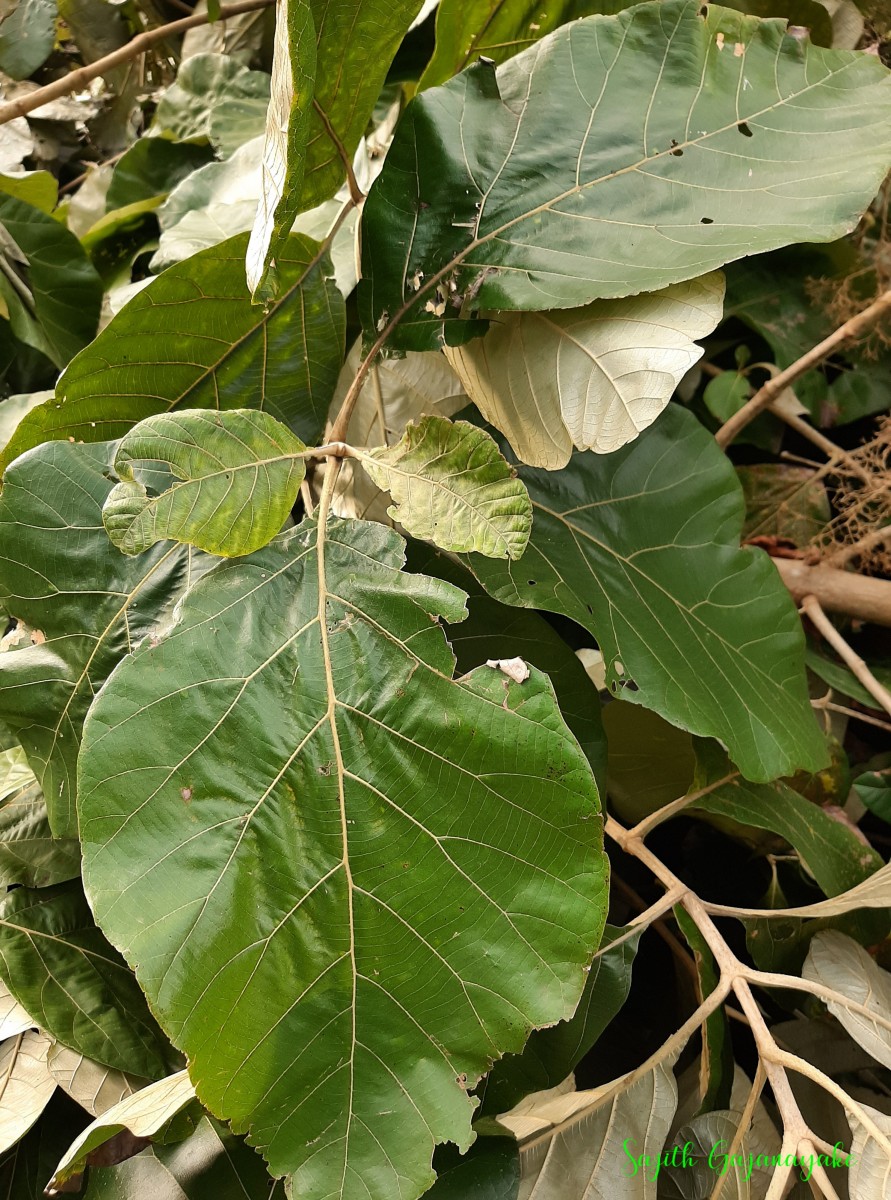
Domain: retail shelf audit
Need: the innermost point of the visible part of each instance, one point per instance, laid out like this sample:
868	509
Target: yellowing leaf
452	486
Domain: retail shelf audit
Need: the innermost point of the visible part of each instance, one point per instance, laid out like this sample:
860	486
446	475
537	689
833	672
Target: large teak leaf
236	476
345	926
687	137
641	547
193	339
87	604
591	377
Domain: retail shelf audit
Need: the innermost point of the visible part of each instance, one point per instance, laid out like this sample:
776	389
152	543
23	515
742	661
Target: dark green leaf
89	603
651	762
343	928
158	353
874	789
783	501
490	1170
214	1165
641	548
64	288
64	973
551	1054
496	631
716	1071
487	201
28	852
153	167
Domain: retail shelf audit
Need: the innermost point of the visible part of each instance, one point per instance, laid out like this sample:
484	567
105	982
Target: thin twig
831	706
849	332
810	606
144	41
642	828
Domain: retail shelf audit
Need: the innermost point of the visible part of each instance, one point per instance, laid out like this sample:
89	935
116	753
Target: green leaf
490	1170
64	288
357	40
284	152
552	1054
495	631
424	831
642	550
831	850
716	1065
144	1113
134	1179
592	377
159	353
152	167
874	790
63	972
27	35
488	201
211	1164
38	188
29	854
651	762
27	1085
210	90
238	474
496	29
63	578
452	486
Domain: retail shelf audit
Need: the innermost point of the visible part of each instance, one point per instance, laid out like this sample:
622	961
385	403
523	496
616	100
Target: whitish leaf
874	892
641	547
425	831
238	474
487	200
239	37
144	1114
13	1018
14	408
604	1142
452	486
63	972
193	339
63	576
14	771
284	151
591	377
396	391
25	1084
840	963
94	1086
869	1176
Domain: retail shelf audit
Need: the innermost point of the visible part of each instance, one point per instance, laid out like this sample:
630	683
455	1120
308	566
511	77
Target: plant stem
810	606
142	42
850	331
855	595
